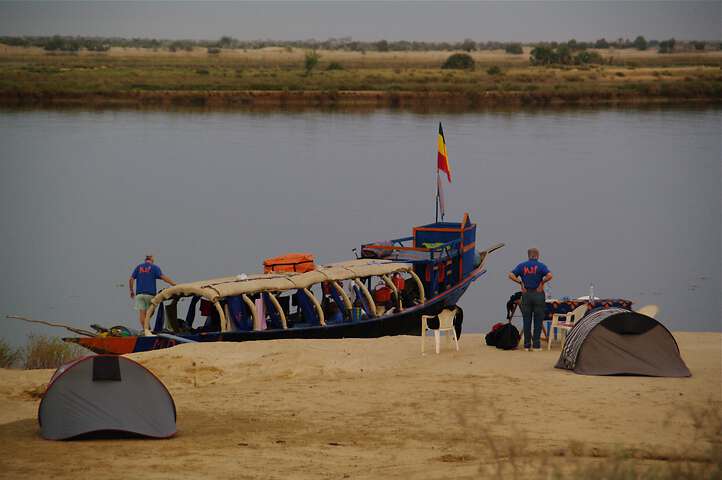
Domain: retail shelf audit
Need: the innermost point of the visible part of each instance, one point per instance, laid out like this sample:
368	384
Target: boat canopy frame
215	290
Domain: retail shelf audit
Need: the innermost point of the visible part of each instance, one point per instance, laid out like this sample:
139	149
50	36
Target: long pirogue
385	292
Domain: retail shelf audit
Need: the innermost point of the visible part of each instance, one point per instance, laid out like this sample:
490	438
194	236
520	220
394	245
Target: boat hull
407	322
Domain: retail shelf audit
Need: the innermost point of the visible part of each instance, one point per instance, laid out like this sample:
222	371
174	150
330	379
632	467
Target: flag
440	193
442	162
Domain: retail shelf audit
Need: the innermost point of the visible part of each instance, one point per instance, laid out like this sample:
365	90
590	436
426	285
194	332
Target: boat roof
218	288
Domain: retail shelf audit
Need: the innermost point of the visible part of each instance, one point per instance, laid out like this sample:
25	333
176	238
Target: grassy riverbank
275	77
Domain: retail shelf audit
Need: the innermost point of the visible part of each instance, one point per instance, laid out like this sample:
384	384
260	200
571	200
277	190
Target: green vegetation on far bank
28	76
58	43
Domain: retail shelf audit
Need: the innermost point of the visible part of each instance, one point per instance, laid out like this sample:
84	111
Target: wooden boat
384	292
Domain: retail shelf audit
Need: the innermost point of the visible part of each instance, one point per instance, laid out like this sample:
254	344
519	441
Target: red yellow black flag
442	158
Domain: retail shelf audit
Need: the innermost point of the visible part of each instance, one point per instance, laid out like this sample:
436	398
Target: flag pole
437	195
436	203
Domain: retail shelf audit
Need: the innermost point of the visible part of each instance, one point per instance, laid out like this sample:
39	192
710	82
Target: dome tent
615	341
105	393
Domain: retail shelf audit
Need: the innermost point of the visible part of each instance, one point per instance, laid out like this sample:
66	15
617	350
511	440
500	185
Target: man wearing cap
532	275
143	278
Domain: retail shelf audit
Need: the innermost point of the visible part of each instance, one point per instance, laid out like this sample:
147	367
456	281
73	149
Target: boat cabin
442	253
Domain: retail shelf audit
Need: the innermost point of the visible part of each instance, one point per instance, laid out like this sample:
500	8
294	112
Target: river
626	199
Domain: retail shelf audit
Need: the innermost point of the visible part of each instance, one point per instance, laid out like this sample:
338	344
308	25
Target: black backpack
505	337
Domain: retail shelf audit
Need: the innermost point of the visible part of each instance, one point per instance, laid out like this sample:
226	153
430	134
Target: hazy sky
432	21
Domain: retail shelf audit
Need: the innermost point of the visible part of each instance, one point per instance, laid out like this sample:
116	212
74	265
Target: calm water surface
628	200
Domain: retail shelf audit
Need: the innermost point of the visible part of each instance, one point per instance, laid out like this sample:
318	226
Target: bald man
144	277
532	275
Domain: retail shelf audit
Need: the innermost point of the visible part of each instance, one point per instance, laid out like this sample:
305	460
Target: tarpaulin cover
615	341
105	393
218	288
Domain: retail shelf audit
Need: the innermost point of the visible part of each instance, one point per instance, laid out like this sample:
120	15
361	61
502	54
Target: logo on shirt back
147	269
530	270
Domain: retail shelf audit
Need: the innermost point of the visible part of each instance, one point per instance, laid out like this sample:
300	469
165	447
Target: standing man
144	277
532	275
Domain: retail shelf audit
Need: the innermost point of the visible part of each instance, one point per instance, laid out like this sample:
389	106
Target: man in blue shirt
144	277
532	275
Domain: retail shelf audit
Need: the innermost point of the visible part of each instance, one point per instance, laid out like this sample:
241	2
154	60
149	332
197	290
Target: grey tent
615	341
105	393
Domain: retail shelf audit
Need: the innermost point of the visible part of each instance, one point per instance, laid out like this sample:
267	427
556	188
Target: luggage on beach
504	336
491	337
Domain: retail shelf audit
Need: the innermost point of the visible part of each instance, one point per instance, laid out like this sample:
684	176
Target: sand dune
374	409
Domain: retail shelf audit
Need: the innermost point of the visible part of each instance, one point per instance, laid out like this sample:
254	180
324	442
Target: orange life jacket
291	262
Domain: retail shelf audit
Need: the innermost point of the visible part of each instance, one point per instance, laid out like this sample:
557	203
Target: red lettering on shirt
530	270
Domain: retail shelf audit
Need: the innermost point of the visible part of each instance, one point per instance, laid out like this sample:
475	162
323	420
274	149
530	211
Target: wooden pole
437	194
79	331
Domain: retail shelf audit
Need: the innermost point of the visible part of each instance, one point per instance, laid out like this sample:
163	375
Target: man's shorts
142	301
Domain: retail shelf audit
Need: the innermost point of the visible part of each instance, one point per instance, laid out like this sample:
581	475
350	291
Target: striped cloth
566	306
576	336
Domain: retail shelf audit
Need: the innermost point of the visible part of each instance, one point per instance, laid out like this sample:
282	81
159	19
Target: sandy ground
375	409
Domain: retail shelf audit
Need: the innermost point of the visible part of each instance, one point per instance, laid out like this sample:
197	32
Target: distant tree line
101	44
639	43
563	55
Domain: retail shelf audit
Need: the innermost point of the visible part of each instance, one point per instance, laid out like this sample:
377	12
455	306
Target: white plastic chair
446	324
565	322
649	310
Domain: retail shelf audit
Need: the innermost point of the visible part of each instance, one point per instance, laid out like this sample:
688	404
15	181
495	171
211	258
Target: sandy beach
379	409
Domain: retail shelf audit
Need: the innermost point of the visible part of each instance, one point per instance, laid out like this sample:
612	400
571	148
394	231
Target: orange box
291	262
